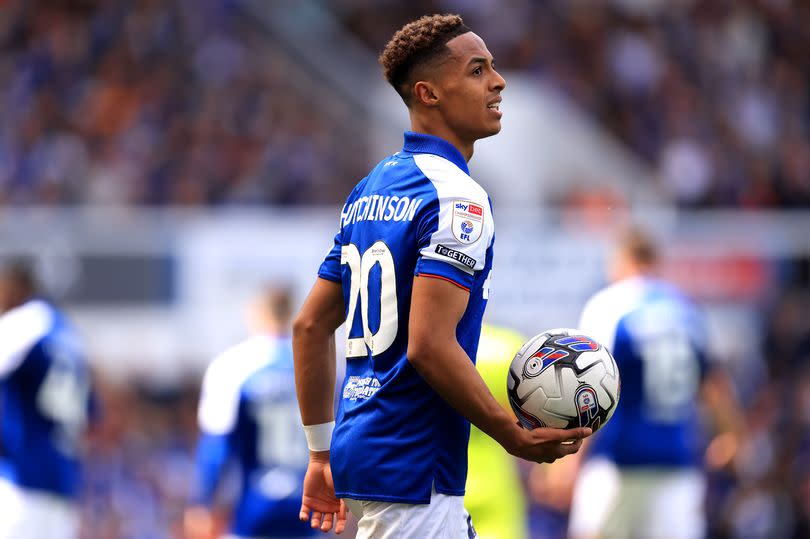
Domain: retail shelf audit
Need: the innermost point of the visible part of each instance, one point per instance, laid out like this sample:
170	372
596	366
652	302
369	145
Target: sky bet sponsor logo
469	207
468	221
379	208
456	255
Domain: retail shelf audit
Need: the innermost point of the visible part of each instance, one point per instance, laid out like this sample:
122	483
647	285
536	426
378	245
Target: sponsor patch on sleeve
458	256
468	221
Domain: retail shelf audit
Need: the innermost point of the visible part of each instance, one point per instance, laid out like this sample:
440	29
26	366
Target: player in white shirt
642	476
409	275
248	415
46	403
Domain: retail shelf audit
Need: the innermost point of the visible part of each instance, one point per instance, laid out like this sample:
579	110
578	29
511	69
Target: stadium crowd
185	103
161	103
715	95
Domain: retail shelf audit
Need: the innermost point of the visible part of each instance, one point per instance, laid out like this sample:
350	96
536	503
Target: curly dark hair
416	44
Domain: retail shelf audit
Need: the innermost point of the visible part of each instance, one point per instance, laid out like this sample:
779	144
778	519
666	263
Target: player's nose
498	82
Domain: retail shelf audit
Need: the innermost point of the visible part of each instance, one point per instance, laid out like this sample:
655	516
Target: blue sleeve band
449	272
330	268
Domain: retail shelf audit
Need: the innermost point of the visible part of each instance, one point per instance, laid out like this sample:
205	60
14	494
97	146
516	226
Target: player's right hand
319	504
546	444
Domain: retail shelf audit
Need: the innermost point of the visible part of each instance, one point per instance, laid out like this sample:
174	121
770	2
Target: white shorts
443	518
647	504
35	515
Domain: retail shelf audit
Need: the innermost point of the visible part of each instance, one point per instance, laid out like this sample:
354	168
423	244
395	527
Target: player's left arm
726	417
314	357
217	415
717	391
213	453
437	306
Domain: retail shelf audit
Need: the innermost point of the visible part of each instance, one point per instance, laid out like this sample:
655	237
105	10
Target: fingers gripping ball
563	379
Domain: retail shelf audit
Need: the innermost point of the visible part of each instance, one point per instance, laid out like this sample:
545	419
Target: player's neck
418	125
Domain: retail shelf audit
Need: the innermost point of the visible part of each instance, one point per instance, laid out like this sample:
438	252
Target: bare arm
314	351
314	357
433	350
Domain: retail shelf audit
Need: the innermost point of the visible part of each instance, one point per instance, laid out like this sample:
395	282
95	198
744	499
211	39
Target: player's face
470	89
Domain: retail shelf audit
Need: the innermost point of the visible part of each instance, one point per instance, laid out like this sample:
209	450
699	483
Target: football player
409	276
47	403
642	475
248	414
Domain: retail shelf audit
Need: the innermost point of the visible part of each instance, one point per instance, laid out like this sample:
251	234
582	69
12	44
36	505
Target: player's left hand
319	504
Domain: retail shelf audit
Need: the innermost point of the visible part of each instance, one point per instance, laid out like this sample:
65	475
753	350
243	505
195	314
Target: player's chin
490	128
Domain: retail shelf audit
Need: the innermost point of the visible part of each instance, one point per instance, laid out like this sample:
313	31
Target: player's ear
424	92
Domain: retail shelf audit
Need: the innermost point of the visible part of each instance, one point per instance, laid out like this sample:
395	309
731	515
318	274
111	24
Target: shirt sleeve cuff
326	273
433	268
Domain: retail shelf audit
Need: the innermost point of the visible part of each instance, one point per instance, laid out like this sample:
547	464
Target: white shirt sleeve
21	329
465	224
599	322
222	384
219	397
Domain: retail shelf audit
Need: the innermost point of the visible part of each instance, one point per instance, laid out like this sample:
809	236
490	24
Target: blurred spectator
139	464
714	95
179	102
146	102
48	404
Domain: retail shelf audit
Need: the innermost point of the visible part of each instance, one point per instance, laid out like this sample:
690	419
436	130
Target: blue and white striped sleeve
458	230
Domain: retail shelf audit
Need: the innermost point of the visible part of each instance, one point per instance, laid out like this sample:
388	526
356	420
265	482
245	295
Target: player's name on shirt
380	208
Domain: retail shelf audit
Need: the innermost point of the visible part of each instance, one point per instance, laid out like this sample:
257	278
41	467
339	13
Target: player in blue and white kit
409	275
248	414
45	405
641	475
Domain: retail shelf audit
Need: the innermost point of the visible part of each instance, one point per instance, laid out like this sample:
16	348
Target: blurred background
160	160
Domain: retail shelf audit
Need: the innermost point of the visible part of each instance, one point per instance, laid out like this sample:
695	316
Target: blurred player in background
495	495
46	401
642	475
409	275
248	414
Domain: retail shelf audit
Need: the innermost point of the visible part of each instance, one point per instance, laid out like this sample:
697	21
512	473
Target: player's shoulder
236	364
29	322
604	311
448	179
621	296
668	291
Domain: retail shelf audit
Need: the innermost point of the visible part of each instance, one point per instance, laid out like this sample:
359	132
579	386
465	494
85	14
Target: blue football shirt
248	414
657	338
417	213
46	399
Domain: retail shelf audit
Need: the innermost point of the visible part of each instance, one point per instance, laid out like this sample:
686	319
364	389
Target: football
563	379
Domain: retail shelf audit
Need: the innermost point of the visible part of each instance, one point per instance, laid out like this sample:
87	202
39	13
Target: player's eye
477	70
